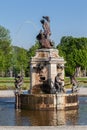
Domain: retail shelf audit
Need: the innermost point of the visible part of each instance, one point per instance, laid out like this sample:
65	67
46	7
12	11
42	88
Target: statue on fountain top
43	36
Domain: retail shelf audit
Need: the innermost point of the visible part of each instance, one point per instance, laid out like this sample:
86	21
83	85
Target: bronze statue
74	83
59	83
18	83
46	26
43	36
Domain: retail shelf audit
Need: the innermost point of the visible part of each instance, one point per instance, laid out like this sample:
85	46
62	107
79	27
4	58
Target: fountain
47	91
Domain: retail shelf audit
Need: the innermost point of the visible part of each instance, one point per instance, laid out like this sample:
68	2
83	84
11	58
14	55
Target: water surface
11	117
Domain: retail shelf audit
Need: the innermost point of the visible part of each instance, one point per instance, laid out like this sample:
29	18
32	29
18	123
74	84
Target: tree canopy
5	49
74	51
32	50
4	34
17	59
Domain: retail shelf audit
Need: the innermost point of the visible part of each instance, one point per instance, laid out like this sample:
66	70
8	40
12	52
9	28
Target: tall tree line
14	59
5	50
74	51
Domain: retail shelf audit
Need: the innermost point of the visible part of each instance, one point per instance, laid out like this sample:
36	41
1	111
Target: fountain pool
11	117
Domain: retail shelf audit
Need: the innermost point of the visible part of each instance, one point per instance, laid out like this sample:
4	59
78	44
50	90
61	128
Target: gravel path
11	93
43	127
7	93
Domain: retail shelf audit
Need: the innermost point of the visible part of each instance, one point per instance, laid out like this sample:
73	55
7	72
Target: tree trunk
84	73
78	72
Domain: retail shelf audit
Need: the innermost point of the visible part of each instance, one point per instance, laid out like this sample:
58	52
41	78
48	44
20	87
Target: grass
7	83
82	81
79	79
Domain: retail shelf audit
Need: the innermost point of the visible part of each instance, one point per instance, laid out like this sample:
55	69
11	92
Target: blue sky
22	18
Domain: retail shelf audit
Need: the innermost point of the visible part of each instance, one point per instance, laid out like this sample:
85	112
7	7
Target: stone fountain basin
47	101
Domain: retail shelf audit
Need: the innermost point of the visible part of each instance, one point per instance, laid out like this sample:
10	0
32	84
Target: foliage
74	51
7	83
19	60
4	34
5	49
13	59
32	50
16	59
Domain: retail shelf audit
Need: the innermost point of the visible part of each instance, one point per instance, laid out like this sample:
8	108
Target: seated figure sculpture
59	84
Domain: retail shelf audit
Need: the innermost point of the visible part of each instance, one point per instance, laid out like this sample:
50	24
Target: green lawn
8	83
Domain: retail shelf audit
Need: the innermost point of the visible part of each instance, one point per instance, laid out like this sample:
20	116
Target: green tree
19	60
4	34
74	51
5	50
32	51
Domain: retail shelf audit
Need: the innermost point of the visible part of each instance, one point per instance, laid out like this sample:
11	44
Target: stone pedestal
47	101
44	67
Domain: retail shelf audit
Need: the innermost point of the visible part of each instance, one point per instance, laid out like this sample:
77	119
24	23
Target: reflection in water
11	117
46	118
60	118
72	117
